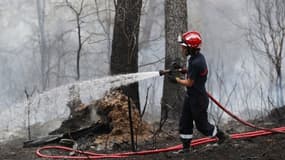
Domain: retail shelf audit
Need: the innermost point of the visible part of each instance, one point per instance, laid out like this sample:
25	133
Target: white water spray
51	105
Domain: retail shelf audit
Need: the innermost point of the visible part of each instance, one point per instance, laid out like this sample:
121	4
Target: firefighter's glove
182	70
161	72
172	78
176	65
164	72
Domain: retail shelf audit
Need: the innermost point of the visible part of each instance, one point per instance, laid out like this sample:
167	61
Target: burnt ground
270	147
264	148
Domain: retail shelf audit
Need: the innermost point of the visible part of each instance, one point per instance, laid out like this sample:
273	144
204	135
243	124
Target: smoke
51	105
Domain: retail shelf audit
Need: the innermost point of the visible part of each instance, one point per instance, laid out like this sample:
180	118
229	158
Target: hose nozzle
164	72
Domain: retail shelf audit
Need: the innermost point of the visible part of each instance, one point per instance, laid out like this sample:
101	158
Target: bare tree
43	44
28	96
58	67
266	36
77	13
175	24
106	22
124	58
152	29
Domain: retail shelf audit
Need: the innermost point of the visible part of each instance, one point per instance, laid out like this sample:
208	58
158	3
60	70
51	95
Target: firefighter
196	100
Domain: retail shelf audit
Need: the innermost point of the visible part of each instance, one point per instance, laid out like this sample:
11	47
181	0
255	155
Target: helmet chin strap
192	51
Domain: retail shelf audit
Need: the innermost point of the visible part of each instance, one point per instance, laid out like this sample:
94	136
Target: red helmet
190	39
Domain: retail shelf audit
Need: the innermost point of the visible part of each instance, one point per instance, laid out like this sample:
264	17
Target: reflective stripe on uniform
215	131
186	136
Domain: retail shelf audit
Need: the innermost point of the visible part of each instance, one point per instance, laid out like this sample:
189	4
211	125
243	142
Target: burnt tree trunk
175	24
124	57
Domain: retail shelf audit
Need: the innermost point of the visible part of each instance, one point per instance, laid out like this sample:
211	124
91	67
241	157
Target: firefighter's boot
186	147
222	136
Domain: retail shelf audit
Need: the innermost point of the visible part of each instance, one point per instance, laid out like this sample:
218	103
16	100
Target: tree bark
124	58
175	24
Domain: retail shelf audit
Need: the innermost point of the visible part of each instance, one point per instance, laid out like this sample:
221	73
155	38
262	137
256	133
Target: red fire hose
239	119
92	155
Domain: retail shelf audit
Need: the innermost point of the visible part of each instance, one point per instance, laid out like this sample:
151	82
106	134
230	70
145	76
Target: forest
60	55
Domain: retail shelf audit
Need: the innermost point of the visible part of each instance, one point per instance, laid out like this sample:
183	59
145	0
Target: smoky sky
221	23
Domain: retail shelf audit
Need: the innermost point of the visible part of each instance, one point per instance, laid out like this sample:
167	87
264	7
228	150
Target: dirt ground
269	147
261	148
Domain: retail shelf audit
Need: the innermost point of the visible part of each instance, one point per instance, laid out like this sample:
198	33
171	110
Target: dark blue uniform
196	101
197	71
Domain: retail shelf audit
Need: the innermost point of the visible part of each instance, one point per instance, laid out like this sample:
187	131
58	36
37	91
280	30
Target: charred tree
124	57
175	24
